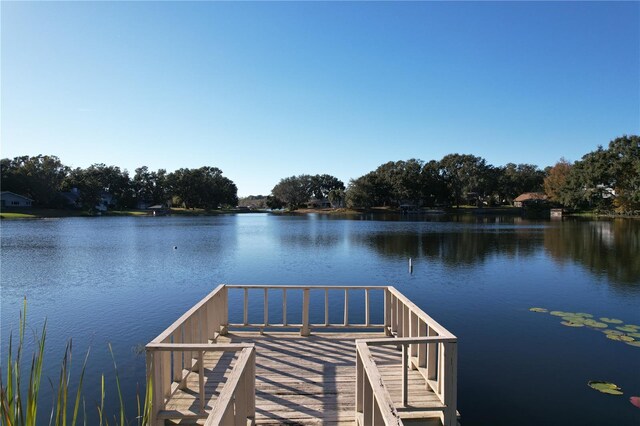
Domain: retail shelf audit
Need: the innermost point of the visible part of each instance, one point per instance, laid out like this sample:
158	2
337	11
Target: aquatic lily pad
627	339
636	335
605	387
538	310
613	332
615	337
574	319
635	400
611	320
582	314
595	324
626	329
572	324
634	343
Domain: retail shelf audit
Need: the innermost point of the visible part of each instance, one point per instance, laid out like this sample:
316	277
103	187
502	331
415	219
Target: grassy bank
35	213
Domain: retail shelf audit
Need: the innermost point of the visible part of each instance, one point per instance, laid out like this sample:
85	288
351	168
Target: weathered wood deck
204	369
307	380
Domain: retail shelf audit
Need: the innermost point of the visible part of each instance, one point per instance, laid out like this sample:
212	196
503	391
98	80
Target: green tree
361	192
463	174
434	190
150	186
625	168
294	190
202	188
337	197
39	178
322	185
99	180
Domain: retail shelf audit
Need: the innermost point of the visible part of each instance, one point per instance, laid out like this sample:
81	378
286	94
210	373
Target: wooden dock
399	371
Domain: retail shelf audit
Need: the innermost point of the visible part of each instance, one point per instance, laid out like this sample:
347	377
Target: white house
10	199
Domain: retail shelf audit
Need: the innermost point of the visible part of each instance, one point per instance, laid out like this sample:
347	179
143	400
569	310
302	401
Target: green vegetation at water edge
20	395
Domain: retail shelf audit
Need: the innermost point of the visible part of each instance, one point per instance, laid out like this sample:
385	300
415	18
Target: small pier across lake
205	369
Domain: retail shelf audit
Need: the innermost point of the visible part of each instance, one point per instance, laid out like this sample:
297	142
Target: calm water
120	280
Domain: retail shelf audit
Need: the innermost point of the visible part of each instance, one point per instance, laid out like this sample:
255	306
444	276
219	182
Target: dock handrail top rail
420	313
387	408
408	340
310	287
207	347
221	408
177	323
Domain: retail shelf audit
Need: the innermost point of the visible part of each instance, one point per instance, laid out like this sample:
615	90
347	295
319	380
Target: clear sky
269	90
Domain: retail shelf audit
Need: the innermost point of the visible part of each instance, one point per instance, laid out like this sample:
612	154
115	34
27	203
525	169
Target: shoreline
40	213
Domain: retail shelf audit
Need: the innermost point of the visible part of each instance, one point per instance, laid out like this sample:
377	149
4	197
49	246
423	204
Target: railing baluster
205	320
326	306
432	349
177	356
450	362
392	314
422	348
405	371
366	307
413	332
188	331
441	369
201	379
368	401
387	312
225	313
251	385
266	307
284	306
305	313
346	307
359	382
246	306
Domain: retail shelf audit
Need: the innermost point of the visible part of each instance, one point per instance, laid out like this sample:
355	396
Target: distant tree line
456	179
605	180
294	191
43	178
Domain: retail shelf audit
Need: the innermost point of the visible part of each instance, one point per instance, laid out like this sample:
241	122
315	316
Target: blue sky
269	90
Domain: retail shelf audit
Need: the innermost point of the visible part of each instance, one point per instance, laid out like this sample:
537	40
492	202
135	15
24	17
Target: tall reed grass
19	406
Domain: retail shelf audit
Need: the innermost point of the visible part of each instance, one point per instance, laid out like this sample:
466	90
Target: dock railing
426	346
263	291
179	351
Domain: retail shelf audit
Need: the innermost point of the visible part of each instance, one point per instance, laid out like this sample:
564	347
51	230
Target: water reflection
606	248
455	248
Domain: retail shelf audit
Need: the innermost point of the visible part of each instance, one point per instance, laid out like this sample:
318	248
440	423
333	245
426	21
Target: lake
124	280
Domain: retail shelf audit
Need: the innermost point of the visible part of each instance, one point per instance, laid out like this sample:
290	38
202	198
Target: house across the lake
11	199
530	198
